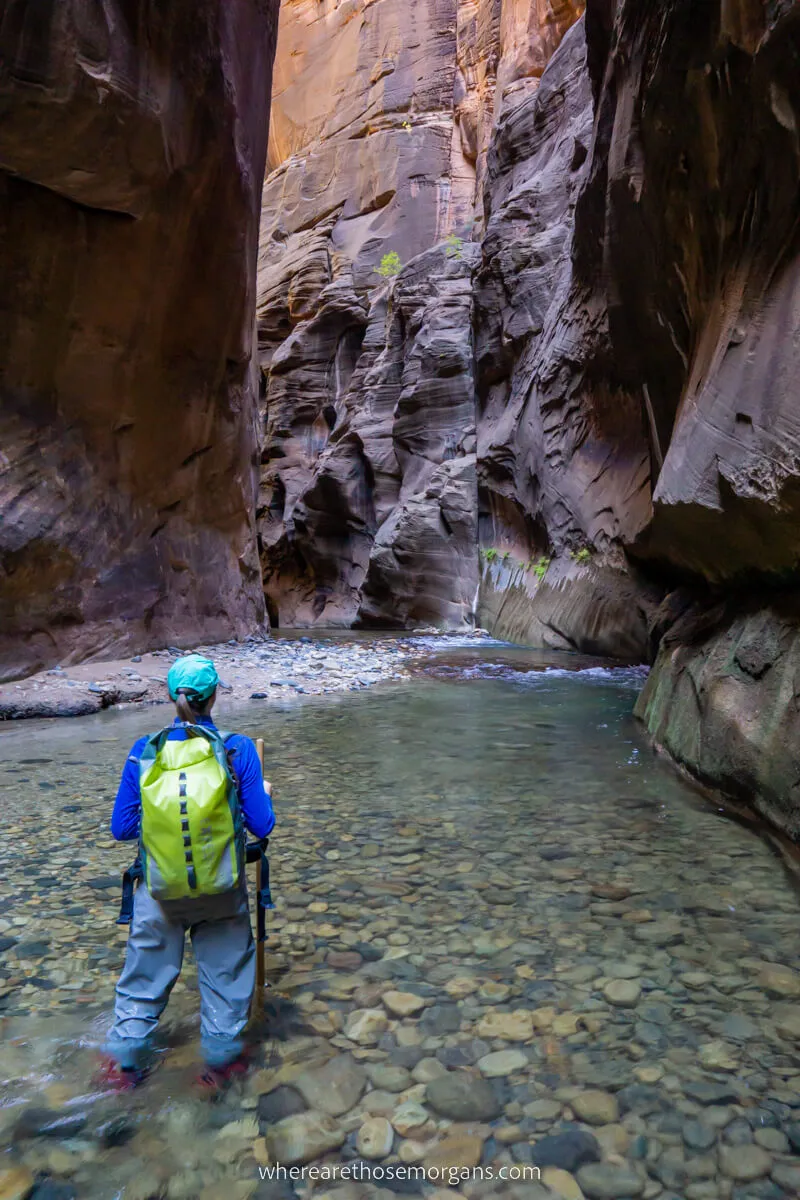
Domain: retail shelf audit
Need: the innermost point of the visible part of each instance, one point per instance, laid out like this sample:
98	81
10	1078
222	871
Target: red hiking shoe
111	1077
214	1080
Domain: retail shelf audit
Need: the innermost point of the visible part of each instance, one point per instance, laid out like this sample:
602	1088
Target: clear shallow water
493	839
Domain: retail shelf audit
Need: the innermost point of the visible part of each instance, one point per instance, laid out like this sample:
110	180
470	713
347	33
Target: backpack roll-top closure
181	754
191	822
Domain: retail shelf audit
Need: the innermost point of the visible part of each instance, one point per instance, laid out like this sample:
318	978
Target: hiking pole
261	916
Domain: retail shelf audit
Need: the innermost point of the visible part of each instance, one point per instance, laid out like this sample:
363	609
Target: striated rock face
362	134
424	563
366	161
697	161
382	115
701	204
637	322
631	336
132	148
371	516
503	48
562	449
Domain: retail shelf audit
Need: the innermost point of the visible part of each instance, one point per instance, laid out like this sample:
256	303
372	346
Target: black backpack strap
133	874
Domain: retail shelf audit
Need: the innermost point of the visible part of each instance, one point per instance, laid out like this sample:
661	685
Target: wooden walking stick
261	916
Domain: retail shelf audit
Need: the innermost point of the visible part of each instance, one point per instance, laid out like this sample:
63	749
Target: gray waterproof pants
225	954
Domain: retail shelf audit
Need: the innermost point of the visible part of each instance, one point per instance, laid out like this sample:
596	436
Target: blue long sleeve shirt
256	802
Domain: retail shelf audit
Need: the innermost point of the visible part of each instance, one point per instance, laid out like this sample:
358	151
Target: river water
571	929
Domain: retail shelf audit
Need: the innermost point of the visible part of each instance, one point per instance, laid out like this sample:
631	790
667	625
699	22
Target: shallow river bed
507	936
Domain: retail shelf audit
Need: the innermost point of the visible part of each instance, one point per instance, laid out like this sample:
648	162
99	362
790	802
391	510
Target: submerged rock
282	1102
502	1062
744	1163
365	1026
606	1181
303	1137
45	1122
595	1107
568	1150
334	1088
375	1138
16	1183
462	1097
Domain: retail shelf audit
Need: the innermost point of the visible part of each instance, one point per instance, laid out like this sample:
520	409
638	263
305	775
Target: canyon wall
563	461
132	152
528	334
636	323
697	156
637	340
448	128
593	338
382	119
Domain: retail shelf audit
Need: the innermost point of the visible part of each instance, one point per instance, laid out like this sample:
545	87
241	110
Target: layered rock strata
132	150
699	164
634	333
563	459
722	700
369	513
636	351
382	117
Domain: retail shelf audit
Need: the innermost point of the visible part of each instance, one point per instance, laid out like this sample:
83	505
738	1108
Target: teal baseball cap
193	674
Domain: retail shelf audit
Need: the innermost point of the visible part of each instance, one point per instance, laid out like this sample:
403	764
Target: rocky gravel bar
257	668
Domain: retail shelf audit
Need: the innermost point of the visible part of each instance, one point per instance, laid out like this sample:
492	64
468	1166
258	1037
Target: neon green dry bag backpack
192	835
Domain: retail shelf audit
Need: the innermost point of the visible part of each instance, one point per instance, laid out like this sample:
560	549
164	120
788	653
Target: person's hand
268	787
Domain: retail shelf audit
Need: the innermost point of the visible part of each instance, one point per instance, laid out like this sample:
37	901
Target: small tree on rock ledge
390	265
454	246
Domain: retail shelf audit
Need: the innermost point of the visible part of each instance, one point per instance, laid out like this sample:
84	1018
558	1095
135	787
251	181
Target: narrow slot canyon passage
400	443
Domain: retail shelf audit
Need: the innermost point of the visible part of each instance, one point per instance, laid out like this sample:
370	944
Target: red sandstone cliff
586	366
382	118
597	386
132	148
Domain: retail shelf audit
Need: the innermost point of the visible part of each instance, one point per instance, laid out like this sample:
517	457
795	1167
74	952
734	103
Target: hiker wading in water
188	793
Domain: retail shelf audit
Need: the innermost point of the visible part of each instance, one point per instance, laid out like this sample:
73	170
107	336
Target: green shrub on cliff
390	265
453	246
